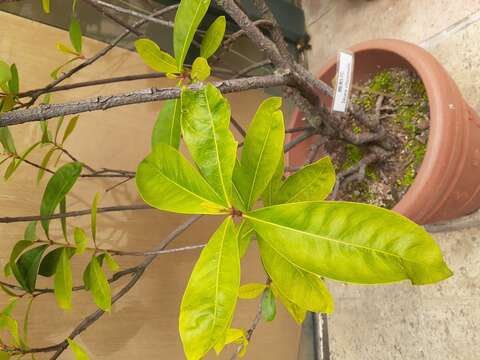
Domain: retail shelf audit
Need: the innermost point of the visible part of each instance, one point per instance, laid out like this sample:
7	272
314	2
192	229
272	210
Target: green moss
406	116
383	81
409	176
353	155
357	129
372	173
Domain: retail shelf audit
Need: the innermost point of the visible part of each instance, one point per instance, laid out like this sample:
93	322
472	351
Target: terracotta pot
448	182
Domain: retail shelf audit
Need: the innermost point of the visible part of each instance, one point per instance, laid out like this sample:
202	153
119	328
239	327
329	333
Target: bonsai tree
303	234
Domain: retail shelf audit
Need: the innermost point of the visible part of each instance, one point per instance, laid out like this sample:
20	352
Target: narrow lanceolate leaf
6	140
275	183
93	222
167	128
26	153
211	295
302	288
44	163
262	151
57	188
49	264
63	281
206	132
26	268
80	240
268	306
111	263
63	219
312	183
14	82
70	127
213	37
98	285
5	72
167	181
76	35
189	16
30	233
236	336
77	350
351	242
157	59
200	69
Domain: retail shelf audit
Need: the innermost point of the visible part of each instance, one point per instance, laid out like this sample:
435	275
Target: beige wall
143	324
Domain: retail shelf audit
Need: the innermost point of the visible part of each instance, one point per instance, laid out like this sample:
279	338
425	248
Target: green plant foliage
93	219
251	291
167	128
6	140
111	263
388	248
14	82
157	59
96	281
205	126
57	188
80	240
44	163
63	280
275	183
209	300
189	16
167	181
213	37
26	267
75	33
245	234
236	336
312	182
49	264
200	69
5	72
261	153
77	350
268	306
70	127
297	313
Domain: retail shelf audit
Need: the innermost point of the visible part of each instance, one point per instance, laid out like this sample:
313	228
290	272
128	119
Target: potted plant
446	185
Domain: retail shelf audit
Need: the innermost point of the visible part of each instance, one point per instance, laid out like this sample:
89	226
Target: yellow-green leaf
268	306
66	49
251	291
275	183
206	132
213	37
245	234
63	281
44	163
167	128
351	242
200	69
157	59
236	336
80	240
93	221
98	285
6	139
75	33
187	19
167	181
5	72
57	188
70	127
111	263
261	153
298	314
313	182
77	350
211	295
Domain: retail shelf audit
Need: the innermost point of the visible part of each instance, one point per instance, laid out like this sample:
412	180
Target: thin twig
251	68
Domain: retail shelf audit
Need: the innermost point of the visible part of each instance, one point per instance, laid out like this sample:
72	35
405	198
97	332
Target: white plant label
344	81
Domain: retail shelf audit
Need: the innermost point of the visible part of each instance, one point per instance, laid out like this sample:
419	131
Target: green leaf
63	281
44	163
5	72
232	335
12	304
268	306
245	234
351	242
251	291
46	136
206	132
63	219
9	323
76	35
275	183
46	6
27	266
200	69
261	153
6	290
30	233
298	314
10	169
211	295
302	288
13	83
167	181
57	188
99	286
111	263
189	16
58	127
78	352
80	240
167	128
8	102
157	59
93	222
70	127
312	183
49	264
26	153
6	140
67	50
213	37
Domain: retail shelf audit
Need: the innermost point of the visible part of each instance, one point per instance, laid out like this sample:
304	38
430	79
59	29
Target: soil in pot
397	100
